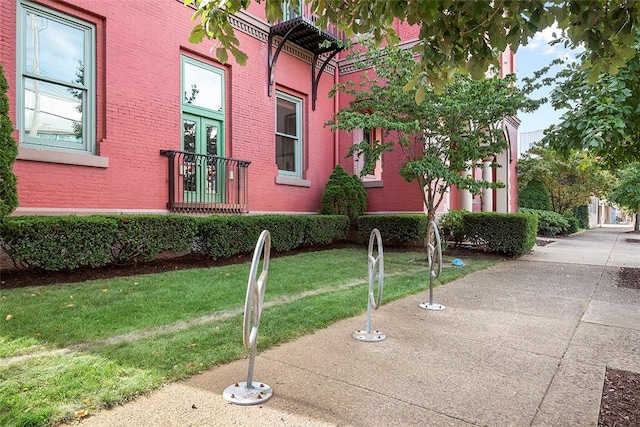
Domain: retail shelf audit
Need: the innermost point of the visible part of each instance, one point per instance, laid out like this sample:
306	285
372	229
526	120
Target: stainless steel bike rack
376	271
250	392
434	258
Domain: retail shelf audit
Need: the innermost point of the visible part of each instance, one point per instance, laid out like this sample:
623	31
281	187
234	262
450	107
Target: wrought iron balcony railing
201	183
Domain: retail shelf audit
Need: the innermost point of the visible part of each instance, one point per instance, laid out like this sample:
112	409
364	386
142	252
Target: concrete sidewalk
524	343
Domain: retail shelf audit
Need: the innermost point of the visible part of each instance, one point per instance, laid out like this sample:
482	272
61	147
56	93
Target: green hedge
396	230
143	237
69	242
451	227
510	234
59	243
534	196
549	223
582	214
224	236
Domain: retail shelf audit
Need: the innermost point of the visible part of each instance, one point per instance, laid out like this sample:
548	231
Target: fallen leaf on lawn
70	305
105	290
4	297
191	365
9	316
25	389
191	345
82	414
136	283
86	401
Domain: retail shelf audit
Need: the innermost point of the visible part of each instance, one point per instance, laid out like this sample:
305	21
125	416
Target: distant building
526	140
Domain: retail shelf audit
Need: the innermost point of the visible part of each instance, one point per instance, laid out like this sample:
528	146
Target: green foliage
395	230
225	236
534	196
603	113
324	229
69	242
582	214
549	223
344	194
509	234
8	154
452	226
455	36
59	243
626	194
143	237
571	180
439	138
574	224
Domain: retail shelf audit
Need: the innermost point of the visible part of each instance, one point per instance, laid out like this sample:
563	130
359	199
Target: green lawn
68	350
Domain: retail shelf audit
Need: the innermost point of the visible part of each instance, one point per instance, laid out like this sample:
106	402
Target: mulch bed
620	404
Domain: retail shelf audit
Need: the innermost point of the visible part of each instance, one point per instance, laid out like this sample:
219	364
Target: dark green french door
202	174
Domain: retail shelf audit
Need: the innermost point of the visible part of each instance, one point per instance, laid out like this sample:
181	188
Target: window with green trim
56	80
289	135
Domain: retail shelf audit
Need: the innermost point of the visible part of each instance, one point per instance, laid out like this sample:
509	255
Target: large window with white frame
289	135
56	80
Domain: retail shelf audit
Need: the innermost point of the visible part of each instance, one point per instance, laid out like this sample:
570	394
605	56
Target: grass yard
69	350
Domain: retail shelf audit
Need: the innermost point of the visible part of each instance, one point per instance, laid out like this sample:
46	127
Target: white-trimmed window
289	135
373	137
56	80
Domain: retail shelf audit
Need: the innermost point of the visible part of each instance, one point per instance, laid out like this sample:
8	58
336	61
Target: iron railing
201	183
304	13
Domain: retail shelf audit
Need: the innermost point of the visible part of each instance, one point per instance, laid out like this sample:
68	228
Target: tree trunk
636	227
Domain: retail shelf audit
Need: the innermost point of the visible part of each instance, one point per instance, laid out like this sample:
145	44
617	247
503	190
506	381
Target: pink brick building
115	111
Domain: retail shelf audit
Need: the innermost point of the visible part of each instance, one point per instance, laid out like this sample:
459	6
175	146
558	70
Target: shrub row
552	223
69	242
395	230
510	234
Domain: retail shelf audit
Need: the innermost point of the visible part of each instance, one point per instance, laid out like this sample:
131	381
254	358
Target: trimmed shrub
582	214
325	229
509	234
396	230
452	226
534	196
59	242
344	194
574	224
8	154
143	237
224	236
549	223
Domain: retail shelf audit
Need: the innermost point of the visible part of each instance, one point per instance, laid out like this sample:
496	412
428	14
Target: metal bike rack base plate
431	306
373	336
239	394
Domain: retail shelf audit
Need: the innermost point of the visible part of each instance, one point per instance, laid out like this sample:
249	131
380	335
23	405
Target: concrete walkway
524	343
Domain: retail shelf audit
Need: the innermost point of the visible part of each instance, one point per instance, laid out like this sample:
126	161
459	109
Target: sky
530	58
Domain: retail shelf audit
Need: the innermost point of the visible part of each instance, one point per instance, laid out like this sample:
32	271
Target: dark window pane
286	153
286	117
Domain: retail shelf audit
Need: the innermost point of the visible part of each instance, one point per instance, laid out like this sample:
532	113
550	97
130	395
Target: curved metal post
376	273
250	393
434	258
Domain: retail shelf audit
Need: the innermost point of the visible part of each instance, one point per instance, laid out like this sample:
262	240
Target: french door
202	174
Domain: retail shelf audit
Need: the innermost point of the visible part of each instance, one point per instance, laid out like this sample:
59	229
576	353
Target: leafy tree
534	196
344	194
8	154
603	115
455	35
570	181
441	137
626	193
